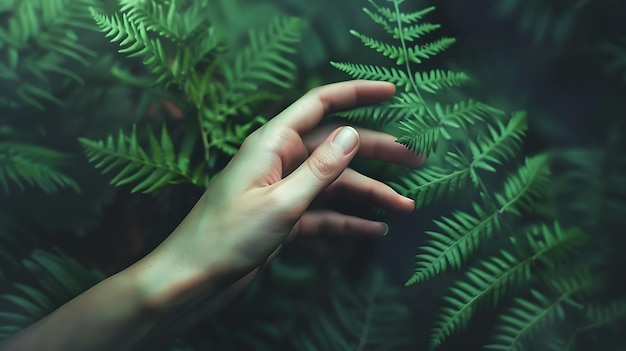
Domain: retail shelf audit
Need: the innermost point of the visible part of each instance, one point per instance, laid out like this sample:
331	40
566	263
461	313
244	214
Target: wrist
165	286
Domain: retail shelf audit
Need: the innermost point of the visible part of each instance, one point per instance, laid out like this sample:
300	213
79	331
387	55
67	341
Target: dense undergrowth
520	204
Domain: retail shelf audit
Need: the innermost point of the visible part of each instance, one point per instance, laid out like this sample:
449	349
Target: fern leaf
401	107
416	31
39	38
263	61
405	18
135	165
521	324
155	17
59	278
365	317
552	245
434	80
358	71
387	50
433	183
23	164
489	282
134	41
522	190
604	314
464	113
421	52
423	135
459	238
501	144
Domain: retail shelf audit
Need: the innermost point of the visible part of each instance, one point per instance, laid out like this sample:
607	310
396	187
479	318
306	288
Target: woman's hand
261	199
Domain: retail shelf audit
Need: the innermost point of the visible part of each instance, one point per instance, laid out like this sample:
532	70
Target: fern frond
489	282
24	164
164	19
134	41
387	50
521	324
264	61
151	171
405	18
604	314
423	134
500	144
459	237
416	31
364	317
371	72
436	79
59	278
522	190
401	107
421	52
38	39
433	183
552	245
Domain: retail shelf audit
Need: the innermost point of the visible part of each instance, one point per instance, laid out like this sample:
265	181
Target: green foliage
24	164
180	47
468	142
38	46
367	316
38	43
56	279
159	167
487	284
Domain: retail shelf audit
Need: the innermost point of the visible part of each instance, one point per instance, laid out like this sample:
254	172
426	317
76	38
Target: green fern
366	317
487	284
528	318
25	164
39	42
599	315
468	142
153	170
58	277
180	47
498	145
422	122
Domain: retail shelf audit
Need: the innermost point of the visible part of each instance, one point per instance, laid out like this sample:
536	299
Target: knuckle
321	165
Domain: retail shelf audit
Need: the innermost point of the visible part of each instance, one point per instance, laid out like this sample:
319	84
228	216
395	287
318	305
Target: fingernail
346	140
408	198
386	229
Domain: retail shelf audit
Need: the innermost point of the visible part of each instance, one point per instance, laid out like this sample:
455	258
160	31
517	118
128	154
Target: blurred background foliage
65	227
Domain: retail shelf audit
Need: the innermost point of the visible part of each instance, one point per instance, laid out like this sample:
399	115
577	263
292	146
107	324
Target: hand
262	198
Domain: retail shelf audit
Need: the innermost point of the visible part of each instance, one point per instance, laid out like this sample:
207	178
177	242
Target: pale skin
260	201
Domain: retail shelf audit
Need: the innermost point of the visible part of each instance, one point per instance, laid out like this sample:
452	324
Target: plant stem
407	63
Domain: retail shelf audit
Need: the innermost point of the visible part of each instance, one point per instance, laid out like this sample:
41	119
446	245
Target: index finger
306	112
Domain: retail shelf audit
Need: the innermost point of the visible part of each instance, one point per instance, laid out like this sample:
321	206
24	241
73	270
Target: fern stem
511	232
366	325
407	64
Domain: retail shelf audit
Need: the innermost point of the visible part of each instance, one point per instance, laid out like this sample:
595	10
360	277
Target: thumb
322	167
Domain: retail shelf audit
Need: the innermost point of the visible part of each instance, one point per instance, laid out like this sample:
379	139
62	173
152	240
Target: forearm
124	312
109	316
